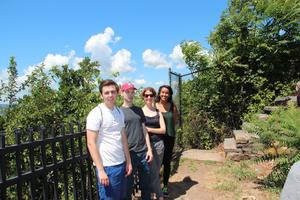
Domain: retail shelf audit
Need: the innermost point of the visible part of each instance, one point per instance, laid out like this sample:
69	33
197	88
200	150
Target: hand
103	178
149	155
128	168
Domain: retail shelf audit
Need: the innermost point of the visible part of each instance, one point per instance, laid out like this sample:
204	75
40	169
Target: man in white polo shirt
107	143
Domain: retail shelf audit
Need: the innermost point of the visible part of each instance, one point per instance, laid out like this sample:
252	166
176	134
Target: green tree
77	92
47	106
256	47
254	59
2	90
12	85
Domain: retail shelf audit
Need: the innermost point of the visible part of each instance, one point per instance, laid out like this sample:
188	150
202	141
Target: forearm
95	156
156	130
126	148
147	138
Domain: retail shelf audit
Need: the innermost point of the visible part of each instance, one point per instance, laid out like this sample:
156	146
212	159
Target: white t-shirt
109	141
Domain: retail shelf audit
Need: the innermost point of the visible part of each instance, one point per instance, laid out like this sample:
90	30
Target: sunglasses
148	95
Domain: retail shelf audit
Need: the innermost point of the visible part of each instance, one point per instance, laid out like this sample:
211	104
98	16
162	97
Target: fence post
82	177
54	161
44	162
73	161
32	182
18	163
2	167
64	155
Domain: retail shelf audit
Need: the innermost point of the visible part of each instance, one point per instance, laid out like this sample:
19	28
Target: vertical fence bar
2	167
64	155
44	162
89	177
32	182
86	171
180	100
54	161
82	182
73	165
18	163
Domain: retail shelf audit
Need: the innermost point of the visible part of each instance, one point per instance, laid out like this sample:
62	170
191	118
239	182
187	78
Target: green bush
280	132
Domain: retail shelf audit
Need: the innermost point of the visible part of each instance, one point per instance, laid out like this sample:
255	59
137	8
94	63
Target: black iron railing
48	164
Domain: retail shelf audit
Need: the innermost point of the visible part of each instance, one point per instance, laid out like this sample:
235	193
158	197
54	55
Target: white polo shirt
108	123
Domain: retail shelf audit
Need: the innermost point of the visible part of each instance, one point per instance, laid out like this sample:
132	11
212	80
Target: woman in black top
156	128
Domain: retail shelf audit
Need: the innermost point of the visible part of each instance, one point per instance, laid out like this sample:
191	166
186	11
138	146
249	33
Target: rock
248	198
241	136
282	101
293	100
262	117
197	154
229	145
270	109
237	156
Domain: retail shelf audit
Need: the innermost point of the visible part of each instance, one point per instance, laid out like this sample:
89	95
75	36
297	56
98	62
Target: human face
128	95
164	94
148	97
109	95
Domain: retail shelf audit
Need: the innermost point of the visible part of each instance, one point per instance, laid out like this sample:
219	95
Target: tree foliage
44	105
254	59
12	86
280	134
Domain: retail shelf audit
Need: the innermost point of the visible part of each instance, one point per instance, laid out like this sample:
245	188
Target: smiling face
164	94
148	97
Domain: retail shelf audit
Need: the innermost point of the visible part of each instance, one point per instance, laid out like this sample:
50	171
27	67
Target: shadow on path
177	189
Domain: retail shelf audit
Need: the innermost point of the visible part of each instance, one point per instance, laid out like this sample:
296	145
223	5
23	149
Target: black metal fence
175	81
48	164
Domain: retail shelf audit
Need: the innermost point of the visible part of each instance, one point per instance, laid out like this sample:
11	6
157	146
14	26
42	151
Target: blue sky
138	38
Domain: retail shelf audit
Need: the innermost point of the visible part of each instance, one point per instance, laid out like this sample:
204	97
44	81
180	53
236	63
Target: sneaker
165	192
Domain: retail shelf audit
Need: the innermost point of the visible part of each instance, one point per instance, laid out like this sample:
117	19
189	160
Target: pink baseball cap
127	86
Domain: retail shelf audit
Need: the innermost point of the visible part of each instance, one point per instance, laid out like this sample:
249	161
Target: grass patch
275	192
229	186
192	167
241	170
209	162
182	160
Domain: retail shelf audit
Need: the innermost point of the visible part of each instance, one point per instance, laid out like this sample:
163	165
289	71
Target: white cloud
55	59
3	75
122	79
98	47
155	58
159	83
75	62
59	60
140	81
121	62
177	57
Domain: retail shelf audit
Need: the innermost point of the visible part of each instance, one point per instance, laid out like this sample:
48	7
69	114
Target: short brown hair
108	82
151	89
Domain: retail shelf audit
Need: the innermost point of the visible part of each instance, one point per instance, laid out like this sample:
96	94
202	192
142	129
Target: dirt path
202	180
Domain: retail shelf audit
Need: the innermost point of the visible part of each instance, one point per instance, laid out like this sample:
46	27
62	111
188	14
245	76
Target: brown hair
108	82
148	89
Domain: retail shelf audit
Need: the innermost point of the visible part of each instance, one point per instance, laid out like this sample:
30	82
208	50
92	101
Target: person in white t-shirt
107	144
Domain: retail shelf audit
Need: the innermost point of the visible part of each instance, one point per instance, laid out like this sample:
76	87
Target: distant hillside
2	105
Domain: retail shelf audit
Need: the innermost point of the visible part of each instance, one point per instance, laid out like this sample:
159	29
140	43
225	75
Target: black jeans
169	144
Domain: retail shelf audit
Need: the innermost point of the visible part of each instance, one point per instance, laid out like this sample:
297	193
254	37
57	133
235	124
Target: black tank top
153	122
